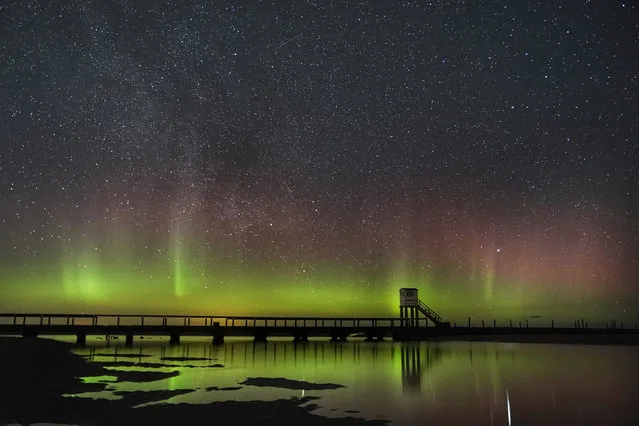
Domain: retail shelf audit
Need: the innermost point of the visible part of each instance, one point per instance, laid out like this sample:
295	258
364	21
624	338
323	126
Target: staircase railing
429	312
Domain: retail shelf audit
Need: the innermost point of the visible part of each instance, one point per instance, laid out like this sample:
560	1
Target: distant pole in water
508	408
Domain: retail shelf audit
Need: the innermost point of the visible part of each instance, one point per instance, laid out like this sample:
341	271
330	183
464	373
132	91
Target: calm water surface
454	383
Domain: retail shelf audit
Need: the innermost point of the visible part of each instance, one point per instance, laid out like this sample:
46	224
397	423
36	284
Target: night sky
312	157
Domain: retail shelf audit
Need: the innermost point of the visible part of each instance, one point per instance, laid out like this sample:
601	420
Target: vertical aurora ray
489	275
176	260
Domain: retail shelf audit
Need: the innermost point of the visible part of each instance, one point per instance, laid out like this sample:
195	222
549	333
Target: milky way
314	157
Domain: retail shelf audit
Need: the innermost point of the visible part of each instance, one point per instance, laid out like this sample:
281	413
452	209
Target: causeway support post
30	332
260	337
300	337
218	334
81	339
338	337
174	339
218	338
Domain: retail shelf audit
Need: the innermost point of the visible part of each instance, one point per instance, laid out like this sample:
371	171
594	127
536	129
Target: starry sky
312	157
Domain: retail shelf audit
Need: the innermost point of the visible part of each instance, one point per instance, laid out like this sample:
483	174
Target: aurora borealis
311	158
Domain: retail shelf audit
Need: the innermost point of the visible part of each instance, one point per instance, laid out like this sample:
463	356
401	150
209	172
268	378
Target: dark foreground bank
33	386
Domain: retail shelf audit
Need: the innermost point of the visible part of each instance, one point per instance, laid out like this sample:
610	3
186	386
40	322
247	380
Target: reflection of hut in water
415	362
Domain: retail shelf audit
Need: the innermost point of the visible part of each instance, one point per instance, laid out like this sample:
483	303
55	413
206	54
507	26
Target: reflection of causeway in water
289	354
415	362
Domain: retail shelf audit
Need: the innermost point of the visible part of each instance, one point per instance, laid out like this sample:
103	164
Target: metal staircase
429	313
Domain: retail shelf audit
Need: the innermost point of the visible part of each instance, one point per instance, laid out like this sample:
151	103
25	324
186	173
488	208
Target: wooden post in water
511	323
552	323
482	323
526	323
494	323
468	322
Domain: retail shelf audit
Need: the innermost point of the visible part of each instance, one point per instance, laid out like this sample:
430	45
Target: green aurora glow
178	282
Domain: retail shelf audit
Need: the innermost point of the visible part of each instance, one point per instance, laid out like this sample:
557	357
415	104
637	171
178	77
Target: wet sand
36	373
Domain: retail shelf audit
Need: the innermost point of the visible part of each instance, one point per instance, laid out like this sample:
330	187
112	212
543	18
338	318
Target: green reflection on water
98	379
406	381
